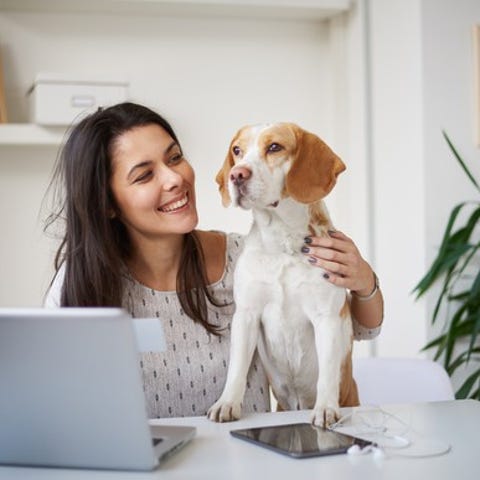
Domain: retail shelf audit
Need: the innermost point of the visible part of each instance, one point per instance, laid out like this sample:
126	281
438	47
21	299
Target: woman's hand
342	262
345	267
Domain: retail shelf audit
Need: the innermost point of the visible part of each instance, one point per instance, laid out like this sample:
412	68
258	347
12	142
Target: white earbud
354	450
378	453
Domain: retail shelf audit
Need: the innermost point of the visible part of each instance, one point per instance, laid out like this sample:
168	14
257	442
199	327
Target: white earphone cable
390	435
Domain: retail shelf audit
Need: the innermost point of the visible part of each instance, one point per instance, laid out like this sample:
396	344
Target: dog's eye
236	150
274	147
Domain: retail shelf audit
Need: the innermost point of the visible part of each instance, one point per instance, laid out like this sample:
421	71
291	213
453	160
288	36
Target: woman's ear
314	170
111	207
222	177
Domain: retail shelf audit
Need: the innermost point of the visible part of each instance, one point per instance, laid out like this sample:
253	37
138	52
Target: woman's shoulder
221	252
221	242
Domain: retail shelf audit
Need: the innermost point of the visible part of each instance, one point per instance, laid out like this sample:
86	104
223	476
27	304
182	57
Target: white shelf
275	9
26	134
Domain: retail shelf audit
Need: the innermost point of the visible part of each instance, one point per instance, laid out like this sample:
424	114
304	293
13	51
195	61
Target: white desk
214	454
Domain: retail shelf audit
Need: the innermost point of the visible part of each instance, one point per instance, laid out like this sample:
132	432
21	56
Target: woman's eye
236	150
274	147
144	176
175	159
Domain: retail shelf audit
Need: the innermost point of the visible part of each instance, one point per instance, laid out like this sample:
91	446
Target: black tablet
299	440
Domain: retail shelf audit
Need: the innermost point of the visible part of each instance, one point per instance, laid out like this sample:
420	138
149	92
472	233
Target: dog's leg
329	342
244	336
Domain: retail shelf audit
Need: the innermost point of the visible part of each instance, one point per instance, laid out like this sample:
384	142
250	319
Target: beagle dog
299	322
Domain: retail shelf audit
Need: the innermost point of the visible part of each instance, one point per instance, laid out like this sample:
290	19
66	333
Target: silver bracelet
366	298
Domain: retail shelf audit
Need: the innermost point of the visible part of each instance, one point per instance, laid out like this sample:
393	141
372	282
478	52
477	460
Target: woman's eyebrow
146	163
172	146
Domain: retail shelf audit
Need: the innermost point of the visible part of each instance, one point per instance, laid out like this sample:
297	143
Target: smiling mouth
174	206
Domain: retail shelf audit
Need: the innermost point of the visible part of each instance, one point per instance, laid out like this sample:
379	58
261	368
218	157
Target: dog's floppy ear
314	170
222	177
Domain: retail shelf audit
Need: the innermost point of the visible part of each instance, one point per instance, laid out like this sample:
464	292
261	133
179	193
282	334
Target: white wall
398	169
26	254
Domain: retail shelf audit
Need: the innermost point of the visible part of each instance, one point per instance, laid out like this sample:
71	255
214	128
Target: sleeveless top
189	376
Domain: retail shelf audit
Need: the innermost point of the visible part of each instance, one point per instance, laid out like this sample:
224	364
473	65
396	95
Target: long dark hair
95	243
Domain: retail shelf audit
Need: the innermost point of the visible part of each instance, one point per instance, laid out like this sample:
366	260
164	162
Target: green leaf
474	332
460	161
475	288
443	294
447	256
464	390
476	394
459	297
461	359
453	249
435	342
457	329
462	330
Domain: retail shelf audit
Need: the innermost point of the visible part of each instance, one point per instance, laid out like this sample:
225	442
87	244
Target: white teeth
175	205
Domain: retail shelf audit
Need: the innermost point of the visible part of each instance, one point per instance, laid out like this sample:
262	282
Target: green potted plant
456	267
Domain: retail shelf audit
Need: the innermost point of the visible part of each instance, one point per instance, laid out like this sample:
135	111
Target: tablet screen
299	439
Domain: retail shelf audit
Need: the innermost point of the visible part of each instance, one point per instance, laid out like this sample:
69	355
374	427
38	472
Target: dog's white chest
293	300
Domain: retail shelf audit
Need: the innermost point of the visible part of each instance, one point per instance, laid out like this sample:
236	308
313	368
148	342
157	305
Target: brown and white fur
299	322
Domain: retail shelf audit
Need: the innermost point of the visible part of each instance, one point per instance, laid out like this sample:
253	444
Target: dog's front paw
324	416
222	411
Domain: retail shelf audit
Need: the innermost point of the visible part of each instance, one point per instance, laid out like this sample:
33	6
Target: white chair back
400	380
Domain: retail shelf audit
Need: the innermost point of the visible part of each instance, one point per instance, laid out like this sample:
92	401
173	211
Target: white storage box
61	101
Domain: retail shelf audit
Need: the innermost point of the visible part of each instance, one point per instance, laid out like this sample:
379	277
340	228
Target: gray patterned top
189	376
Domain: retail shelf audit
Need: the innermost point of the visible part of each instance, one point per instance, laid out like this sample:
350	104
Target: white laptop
71	392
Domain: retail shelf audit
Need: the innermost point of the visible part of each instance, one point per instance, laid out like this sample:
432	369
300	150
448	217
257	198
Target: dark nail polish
326	276
305	249
312	260
307	239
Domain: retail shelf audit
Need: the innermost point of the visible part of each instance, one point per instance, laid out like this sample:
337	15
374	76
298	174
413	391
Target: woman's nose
170	179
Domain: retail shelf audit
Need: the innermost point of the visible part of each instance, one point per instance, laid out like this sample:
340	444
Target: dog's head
267	163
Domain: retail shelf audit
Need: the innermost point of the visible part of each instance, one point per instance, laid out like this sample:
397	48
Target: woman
130	241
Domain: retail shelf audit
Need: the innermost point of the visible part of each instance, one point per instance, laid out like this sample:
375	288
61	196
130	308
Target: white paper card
150	335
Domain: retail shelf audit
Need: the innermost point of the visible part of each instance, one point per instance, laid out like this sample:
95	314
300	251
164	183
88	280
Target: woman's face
153	184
